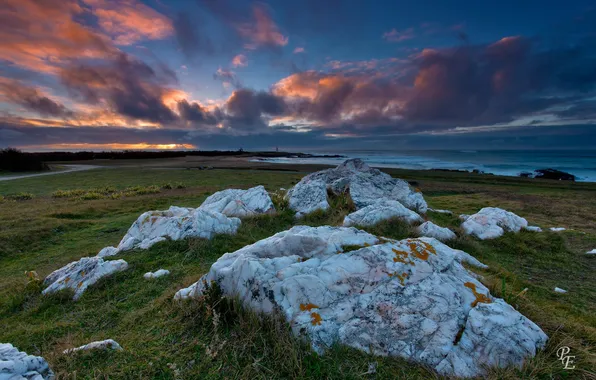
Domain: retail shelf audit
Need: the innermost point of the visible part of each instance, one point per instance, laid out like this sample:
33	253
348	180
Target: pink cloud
240	61
299	50
398	36
263	32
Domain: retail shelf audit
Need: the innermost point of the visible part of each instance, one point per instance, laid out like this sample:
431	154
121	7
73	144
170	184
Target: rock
79	275
553	174
158	273
559	290
441	211
108	344
176	223
463	217
526	175
492	222
533	228
382	210
240	203
557	229
365	186
108	251
411	298
15	364
429	229
310	196
592	252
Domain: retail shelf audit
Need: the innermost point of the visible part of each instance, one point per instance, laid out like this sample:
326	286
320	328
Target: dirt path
69	169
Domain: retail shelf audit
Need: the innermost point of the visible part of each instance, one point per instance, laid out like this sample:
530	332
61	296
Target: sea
581	163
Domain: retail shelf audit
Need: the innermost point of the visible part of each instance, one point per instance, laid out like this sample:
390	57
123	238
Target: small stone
533	228
108	344
557	229
429	229
592	252
156	274
559	290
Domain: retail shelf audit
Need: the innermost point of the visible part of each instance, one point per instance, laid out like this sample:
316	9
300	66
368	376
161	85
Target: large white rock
16	365
176	223
108	344
429	229
79	275
240	203
411	298
492	222
364	184
382	210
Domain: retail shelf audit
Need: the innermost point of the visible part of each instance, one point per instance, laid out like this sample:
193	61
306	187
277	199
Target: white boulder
411	298
533	228
492	222
382	210
158	273
108	251
79	275
240	203
364	184
429	229
15	365
310	196
176	223
108	344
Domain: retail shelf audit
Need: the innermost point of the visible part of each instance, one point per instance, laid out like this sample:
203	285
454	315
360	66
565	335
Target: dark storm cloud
192	39
197	113
131	87
31	98
246	108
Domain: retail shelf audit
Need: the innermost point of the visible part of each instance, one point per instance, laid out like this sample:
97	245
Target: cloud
31	98
197	113
126	85
227	77
399	36
129	21
40	35
240	60
262	32
299	50
191	39
245	108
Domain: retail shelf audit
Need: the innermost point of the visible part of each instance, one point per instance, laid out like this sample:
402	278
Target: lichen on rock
411	298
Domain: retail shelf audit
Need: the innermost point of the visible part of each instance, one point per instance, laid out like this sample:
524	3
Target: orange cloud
240	61
110	146
264	32
129	21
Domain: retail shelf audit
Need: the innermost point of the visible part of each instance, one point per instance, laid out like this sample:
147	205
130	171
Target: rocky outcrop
240	203
492	222
382	210
411	298
176	223
553	174
79	275
108	344
15	365
158	273
429	229
365	186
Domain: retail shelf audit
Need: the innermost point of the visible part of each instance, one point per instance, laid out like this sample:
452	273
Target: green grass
214	338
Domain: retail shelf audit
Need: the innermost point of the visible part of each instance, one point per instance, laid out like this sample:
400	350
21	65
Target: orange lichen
308	306
82	273
421	252
366	245
402	277
316	319
479	296
400	256
80	284
67	279
418	190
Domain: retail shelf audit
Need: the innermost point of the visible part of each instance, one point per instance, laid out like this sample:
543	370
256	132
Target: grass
215	338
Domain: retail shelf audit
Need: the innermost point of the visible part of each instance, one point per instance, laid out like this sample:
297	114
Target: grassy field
166	340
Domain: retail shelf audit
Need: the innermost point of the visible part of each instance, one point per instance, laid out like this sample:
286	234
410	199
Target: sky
297	75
